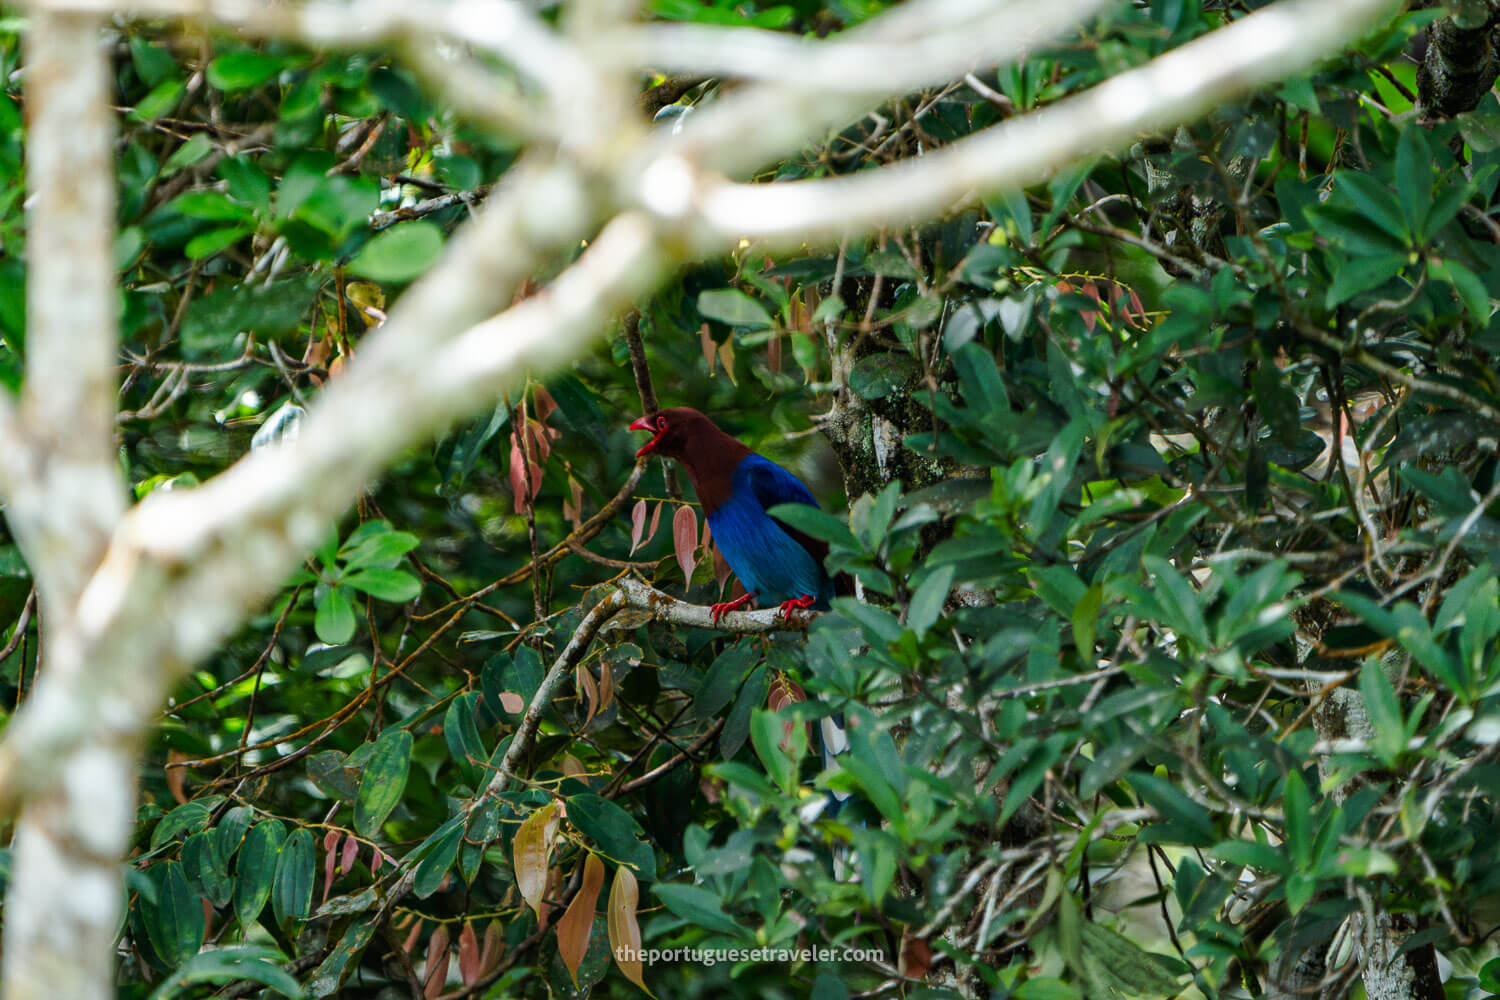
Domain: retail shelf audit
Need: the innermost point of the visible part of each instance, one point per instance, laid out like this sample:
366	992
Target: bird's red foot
717	611
796	604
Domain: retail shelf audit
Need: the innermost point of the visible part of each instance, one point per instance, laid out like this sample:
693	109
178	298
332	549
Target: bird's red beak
644	424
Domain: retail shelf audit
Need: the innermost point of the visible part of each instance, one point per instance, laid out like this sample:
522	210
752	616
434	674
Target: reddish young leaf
1135	314
655	520
685	538
577	924
708	535
541	442
532	852
773	351
377	858
624	929
637	524
571	766
1090	317
330	859
512	702
468	954
437	963
517	475
350	855
542	402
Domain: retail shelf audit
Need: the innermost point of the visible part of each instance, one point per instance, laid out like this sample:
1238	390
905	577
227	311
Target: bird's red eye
661	423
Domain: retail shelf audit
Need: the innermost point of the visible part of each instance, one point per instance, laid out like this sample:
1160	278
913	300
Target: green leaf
1254	854
392	585
697	905
1299	888
1373	201
242	70
733	307
247	182
206	868
384	780
1057	470
292	892
737	725
619	837
1466	285
161	99
175	920
1384	711
1414	177
210	206
1178	599
766	730
222	965
256	870
195	150
434	867
209	243
927	603
400	253
464	743
1360	274
334	622
342	959
383	550
1174	805
1296	811
1122	967
723	678
190	817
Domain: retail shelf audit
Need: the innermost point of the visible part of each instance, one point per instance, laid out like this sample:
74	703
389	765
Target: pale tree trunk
65	897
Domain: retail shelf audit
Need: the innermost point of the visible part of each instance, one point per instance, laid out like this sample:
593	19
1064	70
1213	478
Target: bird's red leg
717	611
796	604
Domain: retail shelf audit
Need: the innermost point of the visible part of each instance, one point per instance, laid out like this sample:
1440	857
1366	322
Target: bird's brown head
673	431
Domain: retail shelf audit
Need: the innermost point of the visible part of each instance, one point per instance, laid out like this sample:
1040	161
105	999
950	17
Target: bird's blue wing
773	485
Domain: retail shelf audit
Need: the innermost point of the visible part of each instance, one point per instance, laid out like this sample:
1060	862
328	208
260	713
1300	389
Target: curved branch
1179	86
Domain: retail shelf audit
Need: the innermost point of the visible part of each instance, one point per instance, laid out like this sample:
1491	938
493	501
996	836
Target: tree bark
1461	61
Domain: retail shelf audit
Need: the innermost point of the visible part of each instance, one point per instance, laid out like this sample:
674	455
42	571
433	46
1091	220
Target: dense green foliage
1156	475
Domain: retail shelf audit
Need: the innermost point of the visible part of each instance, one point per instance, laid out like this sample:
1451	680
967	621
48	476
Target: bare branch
1179	86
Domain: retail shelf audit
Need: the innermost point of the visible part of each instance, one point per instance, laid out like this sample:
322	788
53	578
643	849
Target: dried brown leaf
710	349
532	852
624	927
577	924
